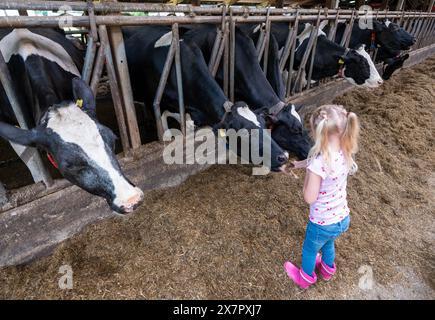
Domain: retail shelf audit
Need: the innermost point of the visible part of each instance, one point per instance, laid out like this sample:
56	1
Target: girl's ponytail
350	138
320	134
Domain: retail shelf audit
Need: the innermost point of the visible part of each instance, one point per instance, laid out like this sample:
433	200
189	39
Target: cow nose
282	158
380	81
133	202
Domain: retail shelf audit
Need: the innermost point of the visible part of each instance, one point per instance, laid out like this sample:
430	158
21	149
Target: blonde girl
329	163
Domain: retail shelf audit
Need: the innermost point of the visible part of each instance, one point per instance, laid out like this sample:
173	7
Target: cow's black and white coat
44	67
388	37
251	85
147	48
357	68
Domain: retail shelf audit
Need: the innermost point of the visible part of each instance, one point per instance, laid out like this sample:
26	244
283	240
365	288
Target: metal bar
226	64
333	30
232	56
347	33
298	81
352	20
421	32
291	37
91	14
289	88
178	71
50	22
260	43
98	68
215	50
160	89
89	60
220	51
313	54
266	44
114	89
35	165
139	7
144	7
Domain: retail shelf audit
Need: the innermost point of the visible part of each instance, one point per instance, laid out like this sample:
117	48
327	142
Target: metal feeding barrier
102	22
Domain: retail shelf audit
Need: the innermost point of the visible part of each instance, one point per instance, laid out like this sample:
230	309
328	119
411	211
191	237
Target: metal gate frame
105	47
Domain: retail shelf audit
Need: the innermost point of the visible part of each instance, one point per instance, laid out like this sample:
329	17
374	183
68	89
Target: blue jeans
322	238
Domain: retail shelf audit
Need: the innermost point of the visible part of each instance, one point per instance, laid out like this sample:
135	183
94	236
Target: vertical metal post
266	42
161	87
176	39
333	30
220	53
313	54
98	68
232	55
91	45
289	88
226	63
291	37
301	70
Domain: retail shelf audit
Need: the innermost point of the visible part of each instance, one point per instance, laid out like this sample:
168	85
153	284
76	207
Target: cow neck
330	65
341	64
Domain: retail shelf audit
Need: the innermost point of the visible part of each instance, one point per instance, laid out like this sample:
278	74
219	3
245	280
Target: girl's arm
311	187
300	164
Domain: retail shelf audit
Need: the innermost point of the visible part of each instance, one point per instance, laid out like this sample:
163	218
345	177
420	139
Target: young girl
329	162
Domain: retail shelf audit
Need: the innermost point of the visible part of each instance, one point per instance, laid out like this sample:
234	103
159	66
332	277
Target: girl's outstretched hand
300	164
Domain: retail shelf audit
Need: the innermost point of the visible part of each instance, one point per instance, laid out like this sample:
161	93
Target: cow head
241	117
82	148
374	79
356	68
405	39
387	38
288	131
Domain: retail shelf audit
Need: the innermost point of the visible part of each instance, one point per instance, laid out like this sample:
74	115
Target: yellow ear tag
79	103
340	61
222	133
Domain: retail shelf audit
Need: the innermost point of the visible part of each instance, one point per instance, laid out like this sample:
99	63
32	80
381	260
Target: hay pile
226	234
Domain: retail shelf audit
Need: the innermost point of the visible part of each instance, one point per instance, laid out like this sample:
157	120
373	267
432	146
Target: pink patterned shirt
331	204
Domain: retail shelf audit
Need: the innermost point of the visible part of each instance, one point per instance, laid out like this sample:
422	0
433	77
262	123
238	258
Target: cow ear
84	96
360	47
30	138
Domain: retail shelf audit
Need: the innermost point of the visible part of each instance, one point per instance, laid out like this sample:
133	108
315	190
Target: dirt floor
226	234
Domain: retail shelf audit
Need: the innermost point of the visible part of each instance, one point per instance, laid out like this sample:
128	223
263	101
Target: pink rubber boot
298	276
325	271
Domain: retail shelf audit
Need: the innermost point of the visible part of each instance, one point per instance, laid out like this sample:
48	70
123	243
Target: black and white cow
388	37
252	86
45	70
147	48
355	65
